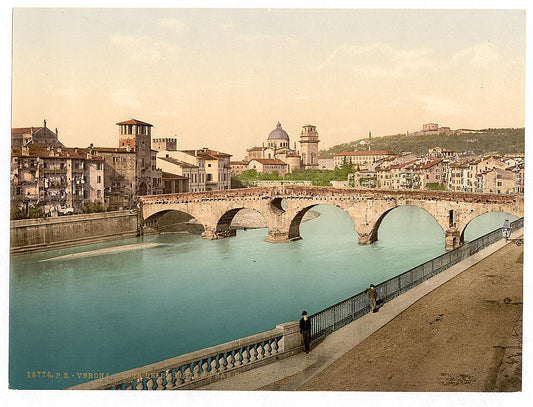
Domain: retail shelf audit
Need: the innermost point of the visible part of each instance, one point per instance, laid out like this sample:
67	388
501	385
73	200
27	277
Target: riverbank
462	335
34	235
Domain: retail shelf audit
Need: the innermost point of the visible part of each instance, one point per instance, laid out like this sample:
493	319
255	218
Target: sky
223	78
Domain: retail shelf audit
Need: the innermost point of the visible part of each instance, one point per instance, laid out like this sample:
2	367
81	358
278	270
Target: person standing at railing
305	330
372	297
506	229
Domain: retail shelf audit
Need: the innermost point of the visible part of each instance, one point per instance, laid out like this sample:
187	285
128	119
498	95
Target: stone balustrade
205	366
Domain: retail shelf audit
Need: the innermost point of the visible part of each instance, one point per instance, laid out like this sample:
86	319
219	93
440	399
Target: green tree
35	212
93	207
17	213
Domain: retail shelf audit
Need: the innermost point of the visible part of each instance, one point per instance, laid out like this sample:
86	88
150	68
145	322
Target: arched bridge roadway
215	209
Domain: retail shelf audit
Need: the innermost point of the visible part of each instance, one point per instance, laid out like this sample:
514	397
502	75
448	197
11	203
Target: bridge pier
366	238
452	239
278	236
209	233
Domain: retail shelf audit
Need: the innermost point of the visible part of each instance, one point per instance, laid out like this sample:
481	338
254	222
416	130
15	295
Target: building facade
131	168
207	170
268	166
195	173
361	159
55	178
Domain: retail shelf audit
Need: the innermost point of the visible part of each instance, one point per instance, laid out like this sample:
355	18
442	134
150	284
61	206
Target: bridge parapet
296	191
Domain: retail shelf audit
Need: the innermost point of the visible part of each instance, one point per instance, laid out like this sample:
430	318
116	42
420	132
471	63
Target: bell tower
309	147
135	135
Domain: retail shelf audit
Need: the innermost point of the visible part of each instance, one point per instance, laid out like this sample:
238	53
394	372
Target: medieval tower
309	147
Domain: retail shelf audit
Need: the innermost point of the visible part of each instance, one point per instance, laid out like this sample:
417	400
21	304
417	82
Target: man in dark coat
506	229
305	330
372	296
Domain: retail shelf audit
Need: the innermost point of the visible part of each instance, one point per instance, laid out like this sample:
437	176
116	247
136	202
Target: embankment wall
29	235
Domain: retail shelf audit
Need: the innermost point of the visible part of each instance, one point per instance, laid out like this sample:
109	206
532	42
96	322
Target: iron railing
336	316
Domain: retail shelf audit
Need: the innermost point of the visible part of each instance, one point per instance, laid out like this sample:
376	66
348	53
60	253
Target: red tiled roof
177	162
426	165
169	176
207	151
63	152
113	150
269	161
135	121
24	130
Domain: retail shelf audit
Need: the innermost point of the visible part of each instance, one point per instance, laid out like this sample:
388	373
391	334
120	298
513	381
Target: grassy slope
494	140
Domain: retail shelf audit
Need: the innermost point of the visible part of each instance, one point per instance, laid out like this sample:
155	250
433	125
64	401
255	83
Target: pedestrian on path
372	296
506	229
305	330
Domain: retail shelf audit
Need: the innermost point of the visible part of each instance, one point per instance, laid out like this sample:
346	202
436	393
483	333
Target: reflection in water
114	312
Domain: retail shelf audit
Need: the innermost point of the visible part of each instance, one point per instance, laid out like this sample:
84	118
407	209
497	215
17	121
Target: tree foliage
93	207
317	177
17	213
35	212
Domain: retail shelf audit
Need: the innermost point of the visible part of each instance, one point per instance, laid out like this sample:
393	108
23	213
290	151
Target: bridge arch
294	227
376	225
164	220
499	219
278	205
224	227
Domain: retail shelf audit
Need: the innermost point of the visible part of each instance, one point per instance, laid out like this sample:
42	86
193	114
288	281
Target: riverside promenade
460	331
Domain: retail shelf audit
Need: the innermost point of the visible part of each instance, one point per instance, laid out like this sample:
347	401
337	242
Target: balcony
53	171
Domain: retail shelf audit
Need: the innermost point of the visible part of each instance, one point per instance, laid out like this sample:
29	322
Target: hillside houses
453	172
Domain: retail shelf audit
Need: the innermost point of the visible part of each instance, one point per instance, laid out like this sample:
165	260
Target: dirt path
463	336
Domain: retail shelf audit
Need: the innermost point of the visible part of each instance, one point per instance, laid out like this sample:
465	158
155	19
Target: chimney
44	122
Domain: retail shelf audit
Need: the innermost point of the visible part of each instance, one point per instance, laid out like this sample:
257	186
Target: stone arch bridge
215	209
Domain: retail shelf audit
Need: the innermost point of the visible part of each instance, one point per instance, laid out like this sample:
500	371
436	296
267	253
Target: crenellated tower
309	147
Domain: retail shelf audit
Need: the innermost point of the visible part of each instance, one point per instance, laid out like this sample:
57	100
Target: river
104	308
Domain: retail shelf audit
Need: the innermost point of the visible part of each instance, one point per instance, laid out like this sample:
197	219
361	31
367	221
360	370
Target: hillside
493	140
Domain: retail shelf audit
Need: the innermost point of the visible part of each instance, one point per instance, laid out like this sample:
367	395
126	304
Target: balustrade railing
206	365
336	316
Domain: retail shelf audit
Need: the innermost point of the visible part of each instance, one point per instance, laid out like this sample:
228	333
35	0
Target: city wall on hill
29	235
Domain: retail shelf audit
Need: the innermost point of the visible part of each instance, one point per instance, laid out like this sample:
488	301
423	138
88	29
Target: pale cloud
439	105
480	55
142	47
174	24
227	26
380	60
127	98
277	39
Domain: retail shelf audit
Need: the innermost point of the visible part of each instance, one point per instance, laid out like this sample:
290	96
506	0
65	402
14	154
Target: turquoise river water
109	307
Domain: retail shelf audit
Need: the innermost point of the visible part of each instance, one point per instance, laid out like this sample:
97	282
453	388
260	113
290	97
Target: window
99	179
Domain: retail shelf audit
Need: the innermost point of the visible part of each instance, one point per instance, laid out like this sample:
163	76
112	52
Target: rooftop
135	121
269	161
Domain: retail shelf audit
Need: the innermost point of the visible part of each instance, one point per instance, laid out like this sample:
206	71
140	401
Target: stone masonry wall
41	234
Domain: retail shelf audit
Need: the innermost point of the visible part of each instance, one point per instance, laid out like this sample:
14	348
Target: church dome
278	133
